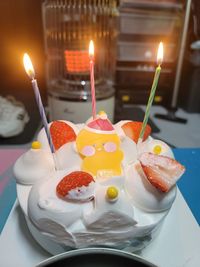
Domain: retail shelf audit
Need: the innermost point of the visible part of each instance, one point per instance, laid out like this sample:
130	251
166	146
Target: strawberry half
132	130
76	185
61	133
161	171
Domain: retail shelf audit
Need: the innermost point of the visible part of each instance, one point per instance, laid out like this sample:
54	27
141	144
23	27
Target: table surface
177	244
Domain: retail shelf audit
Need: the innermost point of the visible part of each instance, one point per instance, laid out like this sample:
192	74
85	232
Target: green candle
153	90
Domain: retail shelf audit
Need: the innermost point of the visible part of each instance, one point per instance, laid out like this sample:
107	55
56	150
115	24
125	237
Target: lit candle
31	73
91	55
153	89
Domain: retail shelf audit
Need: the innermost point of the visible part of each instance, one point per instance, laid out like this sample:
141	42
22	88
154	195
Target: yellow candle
153	89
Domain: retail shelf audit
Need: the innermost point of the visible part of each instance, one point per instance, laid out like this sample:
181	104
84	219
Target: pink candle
91	55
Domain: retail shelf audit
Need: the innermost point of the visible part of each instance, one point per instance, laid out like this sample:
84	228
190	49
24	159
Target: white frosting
145	195
33	165
44	203
108	215
97	222
118	128
130	151
149	145
108	219
83	193
66	156
137	211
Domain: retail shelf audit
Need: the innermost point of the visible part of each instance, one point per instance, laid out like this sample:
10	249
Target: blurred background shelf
141	25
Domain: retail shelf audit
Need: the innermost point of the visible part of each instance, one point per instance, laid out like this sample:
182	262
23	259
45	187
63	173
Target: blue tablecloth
189	184
8	195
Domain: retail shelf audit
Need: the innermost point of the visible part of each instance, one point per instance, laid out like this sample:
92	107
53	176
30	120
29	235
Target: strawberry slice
74	181
161	171
61	133
132	130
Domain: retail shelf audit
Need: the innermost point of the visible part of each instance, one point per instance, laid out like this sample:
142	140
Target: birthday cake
103	186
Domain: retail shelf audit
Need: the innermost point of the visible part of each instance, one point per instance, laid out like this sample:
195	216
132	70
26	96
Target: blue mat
189	184
7	196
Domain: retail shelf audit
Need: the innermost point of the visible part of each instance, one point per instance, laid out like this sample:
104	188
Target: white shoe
13	117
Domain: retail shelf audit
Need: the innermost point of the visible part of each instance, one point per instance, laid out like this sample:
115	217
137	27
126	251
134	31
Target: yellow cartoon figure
99	147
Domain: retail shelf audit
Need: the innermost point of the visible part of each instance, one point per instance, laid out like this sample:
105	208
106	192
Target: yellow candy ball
36	145
101	112
112	193
157	149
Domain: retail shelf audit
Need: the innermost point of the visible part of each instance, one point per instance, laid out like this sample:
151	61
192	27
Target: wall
21	31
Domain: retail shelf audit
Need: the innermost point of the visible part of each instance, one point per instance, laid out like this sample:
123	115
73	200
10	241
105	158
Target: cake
103	186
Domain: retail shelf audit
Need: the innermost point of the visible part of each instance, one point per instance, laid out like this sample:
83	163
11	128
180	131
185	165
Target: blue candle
30	71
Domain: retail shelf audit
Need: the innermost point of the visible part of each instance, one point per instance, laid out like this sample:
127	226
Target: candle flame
91	49
28	66
160	54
